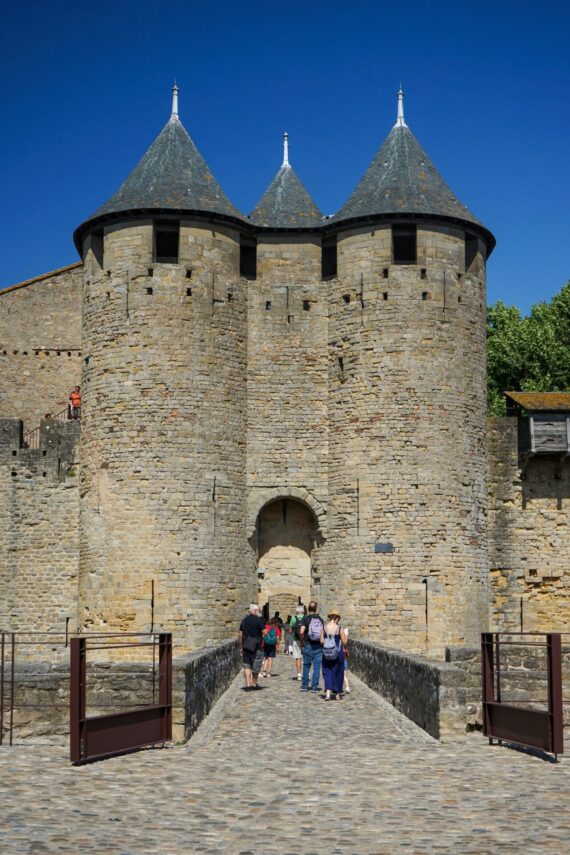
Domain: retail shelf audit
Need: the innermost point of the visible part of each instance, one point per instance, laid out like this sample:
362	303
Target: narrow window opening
97	248
328	258
306	306
385	295
471	250
150	271
87	360
188	273
459	276
166	242
268	305
149	291
25	353
341	364
44	474
248	258
108	298
459	300
14	454
426	295
404	240
385	273
423	273
346	298
189	292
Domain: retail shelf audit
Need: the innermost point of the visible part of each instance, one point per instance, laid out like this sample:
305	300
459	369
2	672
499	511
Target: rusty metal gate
96	737
522	719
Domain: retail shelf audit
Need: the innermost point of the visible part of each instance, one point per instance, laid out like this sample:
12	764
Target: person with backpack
296	623
250	639
334	639
311	632
270	642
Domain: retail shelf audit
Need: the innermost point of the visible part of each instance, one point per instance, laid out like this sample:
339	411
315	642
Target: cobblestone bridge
278	771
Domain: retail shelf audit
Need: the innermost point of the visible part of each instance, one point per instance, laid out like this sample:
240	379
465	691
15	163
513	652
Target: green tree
530	354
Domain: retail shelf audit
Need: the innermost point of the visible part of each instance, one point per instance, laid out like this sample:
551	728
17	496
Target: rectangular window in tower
166	241
248	258
404	241
328	258
471	250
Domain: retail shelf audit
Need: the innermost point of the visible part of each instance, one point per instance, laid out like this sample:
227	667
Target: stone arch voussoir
271	494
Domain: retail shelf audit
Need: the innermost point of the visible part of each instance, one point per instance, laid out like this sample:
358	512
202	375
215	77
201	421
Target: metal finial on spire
175	91
285	150
400	121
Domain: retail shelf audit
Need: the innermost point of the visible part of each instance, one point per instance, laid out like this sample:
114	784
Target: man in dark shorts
250	637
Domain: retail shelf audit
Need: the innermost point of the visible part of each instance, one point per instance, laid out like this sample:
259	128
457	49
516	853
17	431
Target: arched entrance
285	538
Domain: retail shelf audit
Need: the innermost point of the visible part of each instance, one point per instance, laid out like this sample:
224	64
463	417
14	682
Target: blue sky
86	88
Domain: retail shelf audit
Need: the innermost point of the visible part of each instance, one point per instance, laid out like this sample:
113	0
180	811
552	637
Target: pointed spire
175	91
400	121
285	150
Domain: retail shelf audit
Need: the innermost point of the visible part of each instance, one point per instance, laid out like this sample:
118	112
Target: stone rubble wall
529	536
430	693
40	345
407	440
39	526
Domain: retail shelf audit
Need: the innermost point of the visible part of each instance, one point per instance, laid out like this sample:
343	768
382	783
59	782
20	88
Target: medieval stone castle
274	407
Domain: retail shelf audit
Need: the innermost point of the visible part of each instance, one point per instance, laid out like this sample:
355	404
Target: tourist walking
311	632
296	623
346	686
271	638
334	638
288	636
250	639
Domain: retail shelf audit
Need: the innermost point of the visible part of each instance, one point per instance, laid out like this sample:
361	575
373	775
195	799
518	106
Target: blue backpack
271	638
330	647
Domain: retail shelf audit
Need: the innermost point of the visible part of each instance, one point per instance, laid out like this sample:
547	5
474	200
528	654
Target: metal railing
31	438
36	689
522	689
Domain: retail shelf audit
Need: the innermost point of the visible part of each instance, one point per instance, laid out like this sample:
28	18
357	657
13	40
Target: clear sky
86	88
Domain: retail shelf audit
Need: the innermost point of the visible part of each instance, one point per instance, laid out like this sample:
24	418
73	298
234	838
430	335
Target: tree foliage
529	354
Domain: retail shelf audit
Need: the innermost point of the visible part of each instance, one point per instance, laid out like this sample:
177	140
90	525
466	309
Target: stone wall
529	536
164	438
39	525
287	384
208	674
407	440
430	693
40	344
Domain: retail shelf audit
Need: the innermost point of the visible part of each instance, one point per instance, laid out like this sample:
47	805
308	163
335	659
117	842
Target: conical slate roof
402	180
172	174
286	204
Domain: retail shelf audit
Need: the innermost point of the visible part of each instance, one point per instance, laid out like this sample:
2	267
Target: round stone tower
406	554
164	400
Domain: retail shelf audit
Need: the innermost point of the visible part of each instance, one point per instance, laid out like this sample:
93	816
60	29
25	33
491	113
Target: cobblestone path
278	771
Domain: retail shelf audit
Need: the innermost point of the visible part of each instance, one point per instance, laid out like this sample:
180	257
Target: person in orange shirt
75	399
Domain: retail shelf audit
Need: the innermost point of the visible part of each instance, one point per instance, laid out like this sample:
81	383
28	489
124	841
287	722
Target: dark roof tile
286	204
171	174
402	180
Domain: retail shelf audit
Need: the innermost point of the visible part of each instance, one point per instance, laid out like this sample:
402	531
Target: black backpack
297	628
